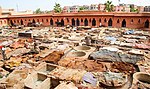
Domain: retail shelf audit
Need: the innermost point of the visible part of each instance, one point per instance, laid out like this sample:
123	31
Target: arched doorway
81	20
146	25
11	23
86	22
51	22
21	22
58	23
62	22
78	22
94	22
124	23
118	21
33	21
73	22
67	20
110	22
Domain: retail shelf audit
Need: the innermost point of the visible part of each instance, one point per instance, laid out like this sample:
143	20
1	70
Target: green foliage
57	8
133	9
109	6
81	8
38	11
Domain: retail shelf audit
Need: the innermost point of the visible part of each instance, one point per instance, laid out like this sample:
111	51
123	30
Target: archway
86	22
21	22
78	22
100	20
118	21
37	20
94	22
11	23
124	23
81	20
110	22
51	22
73	22
33	21
146	25
67	20
105	20
62	22
58	23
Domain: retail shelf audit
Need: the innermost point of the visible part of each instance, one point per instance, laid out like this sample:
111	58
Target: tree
38	11
57	8
109	6
81	8
132	9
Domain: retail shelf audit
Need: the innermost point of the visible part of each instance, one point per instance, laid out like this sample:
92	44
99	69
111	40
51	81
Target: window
139	21
90	20
81	20
100	20
132	21
118	21
105	20
67	20
37	20
46	20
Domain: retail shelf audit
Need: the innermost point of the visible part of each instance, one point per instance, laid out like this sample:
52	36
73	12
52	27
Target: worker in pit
88	39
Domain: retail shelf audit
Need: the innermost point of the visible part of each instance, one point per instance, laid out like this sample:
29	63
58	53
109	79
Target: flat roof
86	13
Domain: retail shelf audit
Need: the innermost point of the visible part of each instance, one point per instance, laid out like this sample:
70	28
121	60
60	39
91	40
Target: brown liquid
144	81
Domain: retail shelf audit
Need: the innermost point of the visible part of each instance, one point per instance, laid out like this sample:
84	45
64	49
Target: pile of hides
115	56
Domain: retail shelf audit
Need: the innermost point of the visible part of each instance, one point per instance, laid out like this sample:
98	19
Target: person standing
100	25
88	39
3	52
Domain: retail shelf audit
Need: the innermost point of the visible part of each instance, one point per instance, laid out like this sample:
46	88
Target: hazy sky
49	4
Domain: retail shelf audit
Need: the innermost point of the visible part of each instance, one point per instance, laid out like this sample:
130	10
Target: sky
22	5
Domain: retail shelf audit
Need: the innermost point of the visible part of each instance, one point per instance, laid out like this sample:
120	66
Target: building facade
101	7
69	9
147	9
4	13
94	7
66	9
140	9
89	18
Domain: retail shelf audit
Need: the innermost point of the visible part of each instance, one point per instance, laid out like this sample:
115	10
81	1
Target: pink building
101	7
141	8
118	8
74	8
122	8
66	9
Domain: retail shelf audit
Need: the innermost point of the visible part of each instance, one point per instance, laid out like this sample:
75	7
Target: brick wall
133	20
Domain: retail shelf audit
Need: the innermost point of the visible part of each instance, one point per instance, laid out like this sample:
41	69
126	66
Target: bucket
142	78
